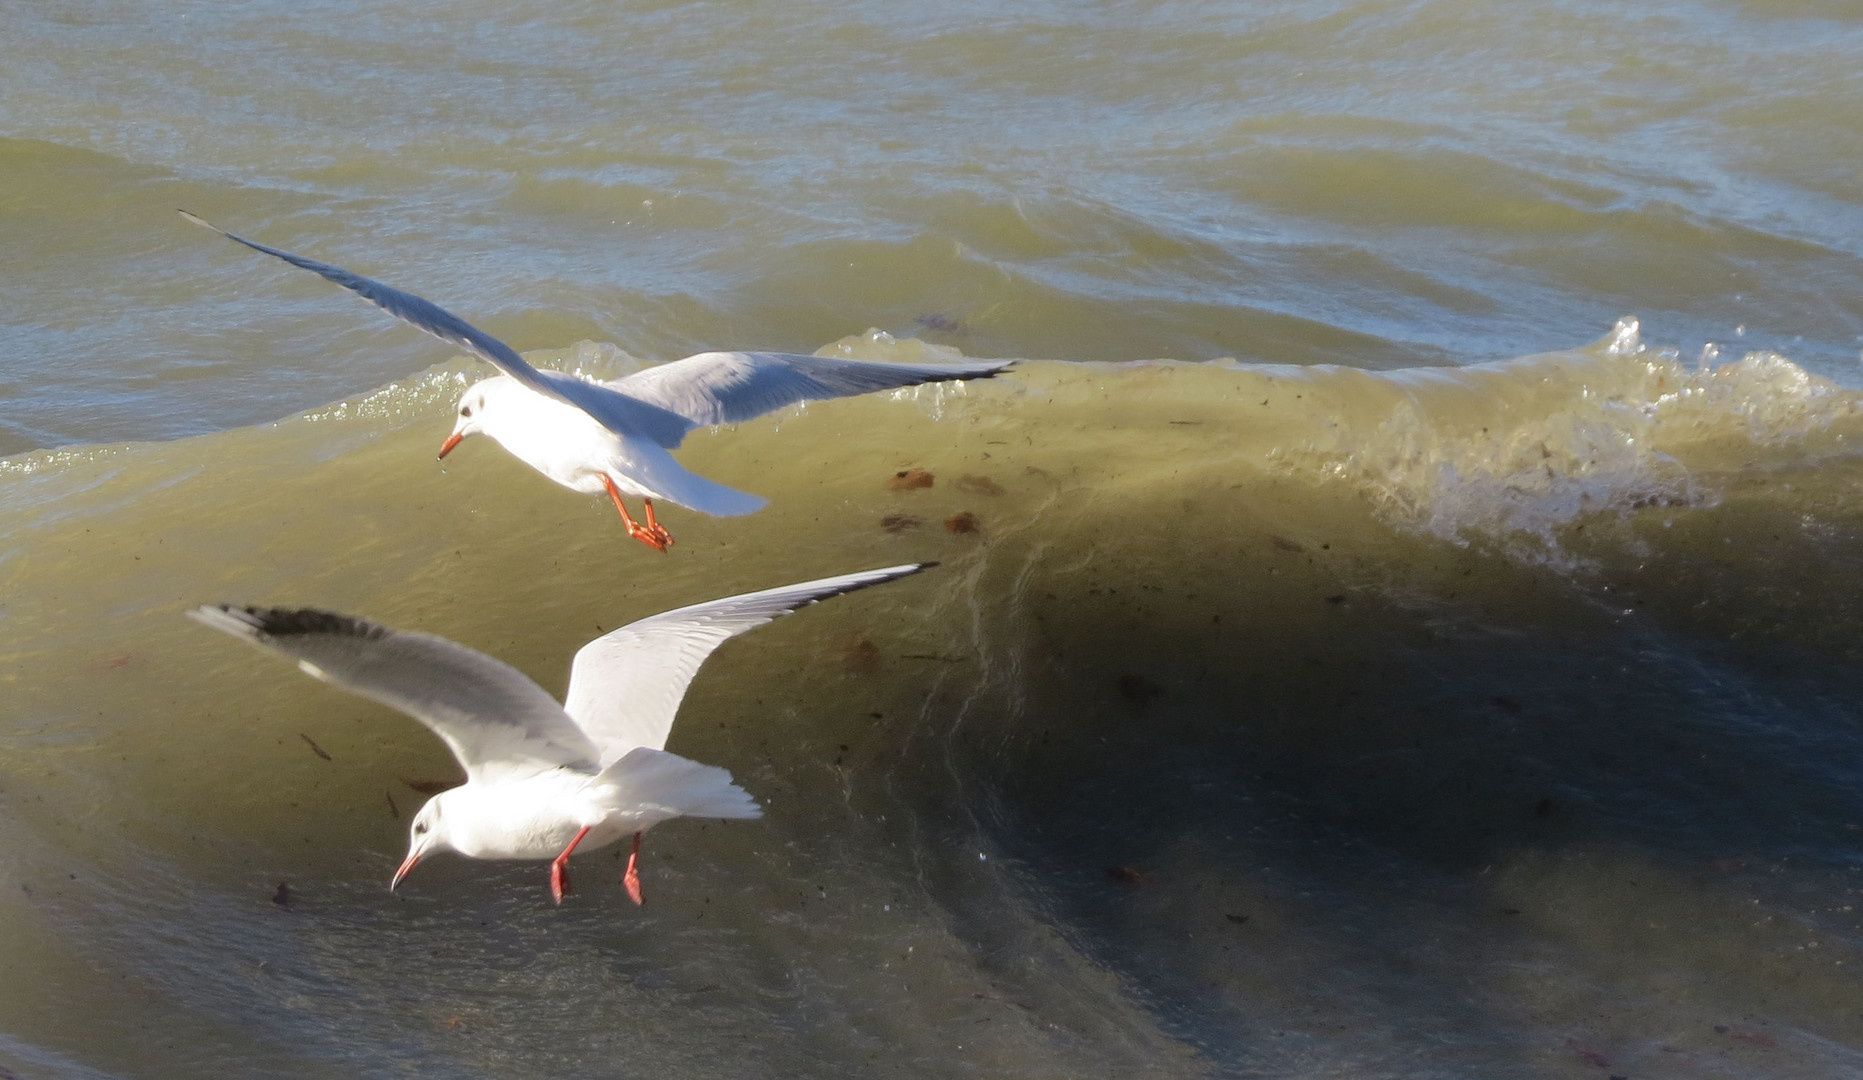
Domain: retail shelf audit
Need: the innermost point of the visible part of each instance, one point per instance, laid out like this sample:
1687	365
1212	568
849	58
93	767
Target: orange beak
451	441
402	871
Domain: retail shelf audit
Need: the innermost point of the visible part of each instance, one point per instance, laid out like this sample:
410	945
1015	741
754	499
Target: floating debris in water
898	523
910	480
283	896
1138	689
977	485
1589	1055
315	749
1126	875
863	657
962	522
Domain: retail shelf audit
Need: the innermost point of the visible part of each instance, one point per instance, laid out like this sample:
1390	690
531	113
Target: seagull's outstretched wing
729	387
625	686
615	411
497	722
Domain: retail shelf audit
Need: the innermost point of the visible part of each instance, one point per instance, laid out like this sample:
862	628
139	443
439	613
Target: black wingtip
967	376
288	622
285	622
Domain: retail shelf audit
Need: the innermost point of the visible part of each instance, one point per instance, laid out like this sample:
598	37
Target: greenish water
1372	659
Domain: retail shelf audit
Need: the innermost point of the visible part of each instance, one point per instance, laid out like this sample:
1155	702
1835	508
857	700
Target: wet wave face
1260	719
1321	677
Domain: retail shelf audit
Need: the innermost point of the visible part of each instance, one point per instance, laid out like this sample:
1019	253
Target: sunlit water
1356	652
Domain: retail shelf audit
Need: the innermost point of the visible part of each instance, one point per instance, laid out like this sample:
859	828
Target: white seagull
614	436
543	778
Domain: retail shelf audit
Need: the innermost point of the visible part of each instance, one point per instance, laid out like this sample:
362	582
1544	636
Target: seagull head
471	418
427	834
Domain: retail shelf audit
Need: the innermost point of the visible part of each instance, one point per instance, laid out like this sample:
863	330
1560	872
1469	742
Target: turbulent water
1402	622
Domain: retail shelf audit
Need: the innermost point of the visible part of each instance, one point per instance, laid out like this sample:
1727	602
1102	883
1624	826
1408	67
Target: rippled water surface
1400	620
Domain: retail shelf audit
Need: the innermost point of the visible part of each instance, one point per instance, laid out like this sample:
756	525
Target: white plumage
542	778
615	436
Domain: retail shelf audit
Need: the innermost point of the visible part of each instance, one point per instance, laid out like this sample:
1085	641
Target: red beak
451	441
402	871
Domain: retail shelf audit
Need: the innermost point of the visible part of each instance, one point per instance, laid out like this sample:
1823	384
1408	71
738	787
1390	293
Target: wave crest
1521	450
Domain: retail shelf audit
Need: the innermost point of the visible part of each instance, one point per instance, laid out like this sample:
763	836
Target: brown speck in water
909	480
898	523
1589	1055
1138	689
283	896
312	743
977	485
452	1023
863	657
1237	919
1761	1039
962	522
1336	598
1126	875
1285	544
938	322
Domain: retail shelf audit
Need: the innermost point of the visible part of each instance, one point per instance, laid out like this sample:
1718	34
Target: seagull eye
467	411
420	828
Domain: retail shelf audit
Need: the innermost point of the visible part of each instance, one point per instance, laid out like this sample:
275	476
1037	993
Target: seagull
543	779
615	436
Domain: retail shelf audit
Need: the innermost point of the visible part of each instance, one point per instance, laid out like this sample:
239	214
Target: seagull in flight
543	779
615	436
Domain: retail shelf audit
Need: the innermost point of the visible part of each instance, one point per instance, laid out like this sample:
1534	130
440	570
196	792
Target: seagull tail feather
656	781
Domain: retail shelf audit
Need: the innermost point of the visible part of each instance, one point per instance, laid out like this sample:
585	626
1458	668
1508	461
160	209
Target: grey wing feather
615	411
625	686
729	387
497	722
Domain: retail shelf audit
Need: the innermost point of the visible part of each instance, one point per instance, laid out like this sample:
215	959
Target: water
1373	657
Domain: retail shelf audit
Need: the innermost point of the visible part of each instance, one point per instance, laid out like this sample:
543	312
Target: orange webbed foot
652	534
632	878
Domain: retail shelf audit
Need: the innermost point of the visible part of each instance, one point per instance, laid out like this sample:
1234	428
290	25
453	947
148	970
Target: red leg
654	527
652	535
632	878
559	867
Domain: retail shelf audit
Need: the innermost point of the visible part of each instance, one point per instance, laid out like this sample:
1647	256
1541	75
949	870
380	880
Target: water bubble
1626	337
